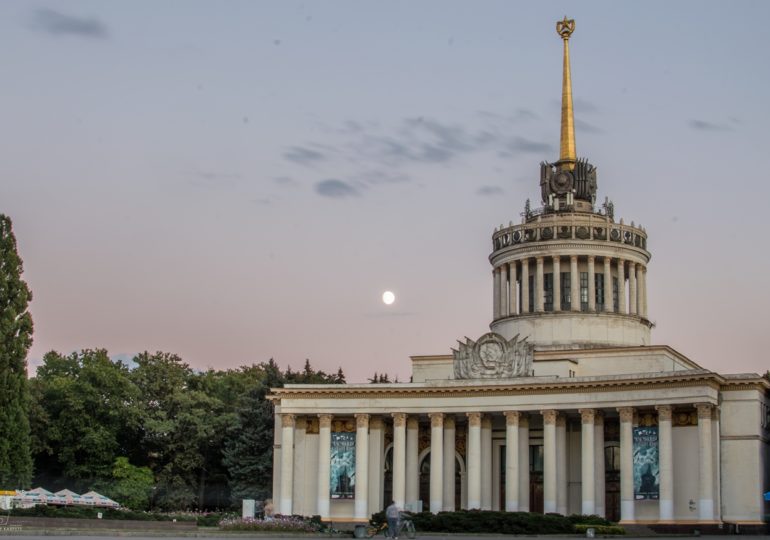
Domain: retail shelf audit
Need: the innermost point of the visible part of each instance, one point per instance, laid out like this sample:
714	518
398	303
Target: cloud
285	181
376	177
518	145
303	156
489	191
703	125
214	179
584	127
336	189
59	24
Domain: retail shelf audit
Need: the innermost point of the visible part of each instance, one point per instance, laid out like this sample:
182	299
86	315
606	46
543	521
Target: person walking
393	514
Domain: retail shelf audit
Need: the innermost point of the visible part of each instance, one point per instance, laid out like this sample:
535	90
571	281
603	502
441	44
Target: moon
388	298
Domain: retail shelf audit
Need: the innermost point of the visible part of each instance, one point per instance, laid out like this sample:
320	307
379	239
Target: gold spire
567	155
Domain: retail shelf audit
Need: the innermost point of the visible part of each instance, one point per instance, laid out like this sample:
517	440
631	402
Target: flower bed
276	524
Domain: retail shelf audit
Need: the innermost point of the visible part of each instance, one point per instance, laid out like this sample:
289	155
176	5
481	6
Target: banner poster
343	465
646	465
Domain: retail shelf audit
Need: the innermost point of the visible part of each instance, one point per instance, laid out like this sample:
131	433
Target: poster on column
343	465
646	466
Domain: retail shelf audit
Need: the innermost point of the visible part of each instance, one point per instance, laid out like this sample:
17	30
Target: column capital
325	420
300	423
486	421
288	420
599	417
591	258
524	420
375	422
587	415
436	419
573	258
626	414
539	259
399	419
556	258
561	420
704	410
449	421
512	418
474	418
362	420
412	422
549	416
664	412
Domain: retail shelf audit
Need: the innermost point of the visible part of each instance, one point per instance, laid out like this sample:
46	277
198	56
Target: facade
564	406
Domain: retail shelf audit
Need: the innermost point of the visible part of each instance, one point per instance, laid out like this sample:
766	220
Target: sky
239	181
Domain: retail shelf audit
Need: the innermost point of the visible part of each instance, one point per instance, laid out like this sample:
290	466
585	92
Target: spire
567	155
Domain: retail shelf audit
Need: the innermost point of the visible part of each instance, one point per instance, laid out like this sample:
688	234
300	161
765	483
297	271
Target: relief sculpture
493	357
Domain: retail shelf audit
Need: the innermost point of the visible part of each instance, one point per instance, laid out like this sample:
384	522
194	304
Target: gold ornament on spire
567	154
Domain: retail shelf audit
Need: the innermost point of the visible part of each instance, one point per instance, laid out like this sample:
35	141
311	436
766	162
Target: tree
131	485
15	340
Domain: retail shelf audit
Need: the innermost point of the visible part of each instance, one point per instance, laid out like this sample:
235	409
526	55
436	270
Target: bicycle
405	528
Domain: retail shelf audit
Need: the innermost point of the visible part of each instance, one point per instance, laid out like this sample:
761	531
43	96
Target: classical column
706	468
486	462
412	457
324	460
562	488
504	290
574	279
587	462
539	288
556	283
626	464
512	461
524	463
287	463
362	467
608	285
621	286
512	290
495	293
632	288
666	464
642	285
599	471
436	462
474	461
376	456
591	284
549	460
449	464
525	285
300	431
399	458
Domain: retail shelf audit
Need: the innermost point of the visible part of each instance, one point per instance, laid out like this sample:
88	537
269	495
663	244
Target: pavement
214	534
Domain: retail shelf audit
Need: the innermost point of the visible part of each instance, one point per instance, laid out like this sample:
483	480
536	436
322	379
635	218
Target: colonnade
517	462
508	299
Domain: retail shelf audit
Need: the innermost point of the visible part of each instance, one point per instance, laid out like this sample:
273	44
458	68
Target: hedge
75	512
581	528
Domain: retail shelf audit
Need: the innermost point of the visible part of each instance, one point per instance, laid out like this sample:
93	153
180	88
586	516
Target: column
524	463
666	463
587	462
361	488
324	461
486	462
599	472
539	289
549	460
376	455
574	283
474	461
706	468
512	461
525	285
436	462
626	464
632	288
287	463
608	285
621	286
557	283
495	293
562	488
591	284
412	456
504	290
642	284
449	464
512	290
399	458
300	431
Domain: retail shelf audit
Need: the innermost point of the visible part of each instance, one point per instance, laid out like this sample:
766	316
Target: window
583	291
548	291
566	287
615	295
536	458
612	457
531	294
599	287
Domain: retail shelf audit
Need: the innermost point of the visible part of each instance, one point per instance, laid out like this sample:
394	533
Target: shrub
581	528
479	521
593	519
277	524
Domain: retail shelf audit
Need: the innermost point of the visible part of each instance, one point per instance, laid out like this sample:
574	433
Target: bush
277	524
80	512
483	521
581	528
593	519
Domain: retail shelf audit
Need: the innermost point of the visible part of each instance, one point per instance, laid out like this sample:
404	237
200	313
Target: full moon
388	298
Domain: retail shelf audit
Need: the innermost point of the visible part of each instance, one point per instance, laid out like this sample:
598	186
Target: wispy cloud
336	189
520	145
490	191
60	24
581	126
303	156
214	179
703	125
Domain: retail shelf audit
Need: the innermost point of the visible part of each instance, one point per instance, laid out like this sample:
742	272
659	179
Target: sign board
343	465
646	464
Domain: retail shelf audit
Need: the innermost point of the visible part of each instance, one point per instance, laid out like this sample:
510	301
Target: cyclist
393	515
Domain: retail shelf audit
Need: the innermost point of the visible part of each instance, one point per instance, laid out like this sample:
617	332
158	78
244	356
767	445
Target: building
565	406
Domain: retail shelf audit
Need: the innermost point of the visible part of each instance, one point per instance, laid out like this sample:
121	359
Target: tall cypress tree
15	340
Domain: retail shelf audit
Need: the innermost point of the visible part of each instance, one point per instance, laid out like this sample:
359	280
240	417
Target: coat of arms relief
493	357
